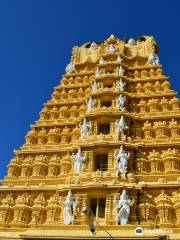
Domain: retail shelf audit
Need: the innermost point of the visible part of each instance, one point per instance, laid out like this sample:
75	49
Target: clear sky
36	39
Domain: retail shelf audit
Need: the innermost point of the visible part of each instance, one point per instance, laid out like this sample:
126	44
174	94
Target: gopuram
103	159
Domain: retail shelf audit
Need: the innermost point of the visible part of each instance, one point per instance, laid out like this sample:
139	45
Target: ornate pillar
147	128
160	129
14	168
6	210
155	162
176	206
38	210
22	210
110	217
164	207
53	210
145	209
53	166
171	160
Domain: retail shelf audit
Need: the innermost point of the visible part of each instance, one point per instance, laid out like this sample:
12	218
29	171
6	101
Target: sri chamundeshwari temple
103	159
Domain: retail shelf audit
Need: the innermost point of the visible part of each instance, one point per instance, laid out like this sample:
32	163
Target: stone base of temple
129	234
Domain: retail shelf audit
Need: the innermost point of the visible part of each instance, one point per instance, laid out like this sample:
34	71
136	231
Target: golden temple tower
103	160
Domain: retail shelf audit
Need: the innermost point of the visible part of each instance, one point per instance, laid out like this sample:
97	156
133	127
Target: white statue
90	104
123	206
119	59
94	86
131	41
85	128
101	61
93	46
97	72
79	160
153	59
121	125
121	101
121	71
122	160
69	205
121	85
111	48
70	68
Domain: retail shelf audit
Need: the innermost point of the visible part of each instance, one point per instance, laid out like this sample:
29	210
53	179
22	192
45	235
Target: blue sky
36	38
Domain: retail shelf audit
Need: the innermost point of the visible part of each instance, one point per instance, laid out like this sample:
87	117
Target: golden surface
41	173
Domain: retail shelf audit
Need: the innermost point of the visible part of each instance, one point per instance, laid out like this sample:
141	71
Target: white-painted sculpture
121	85
153	59
97	72
90	104
121	71
93	46
122	160
70	68
121	126
123	206
111	48
79	158
121	101
85	128
131	41
101	61
94	86
69	205
119	59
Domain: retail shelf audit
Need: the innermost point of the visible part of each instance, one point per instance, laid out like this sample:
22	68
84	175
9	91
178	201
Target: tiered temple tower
104	153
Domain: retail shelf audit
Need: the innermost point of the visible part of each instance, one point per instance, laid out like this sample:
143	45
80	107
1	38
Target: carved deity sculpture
101	61
121	126
111	48
94	86
119	59
69	205
97	72
123	206
122	160
121	71
121	85
90	104
131	41
70	68
153	59
79	158
121	101
85	128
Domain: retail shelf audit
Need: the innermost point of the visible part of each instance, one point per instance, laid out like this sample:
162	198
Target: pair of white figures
120	86
120	101
121	160
122	205
85	127
120	70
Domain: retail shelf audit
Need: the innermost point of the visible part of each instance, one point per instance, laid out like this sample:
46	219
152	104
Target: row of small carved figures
116	68
144	105
27	208
141	74
65	134
157	105
46	165
137	88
